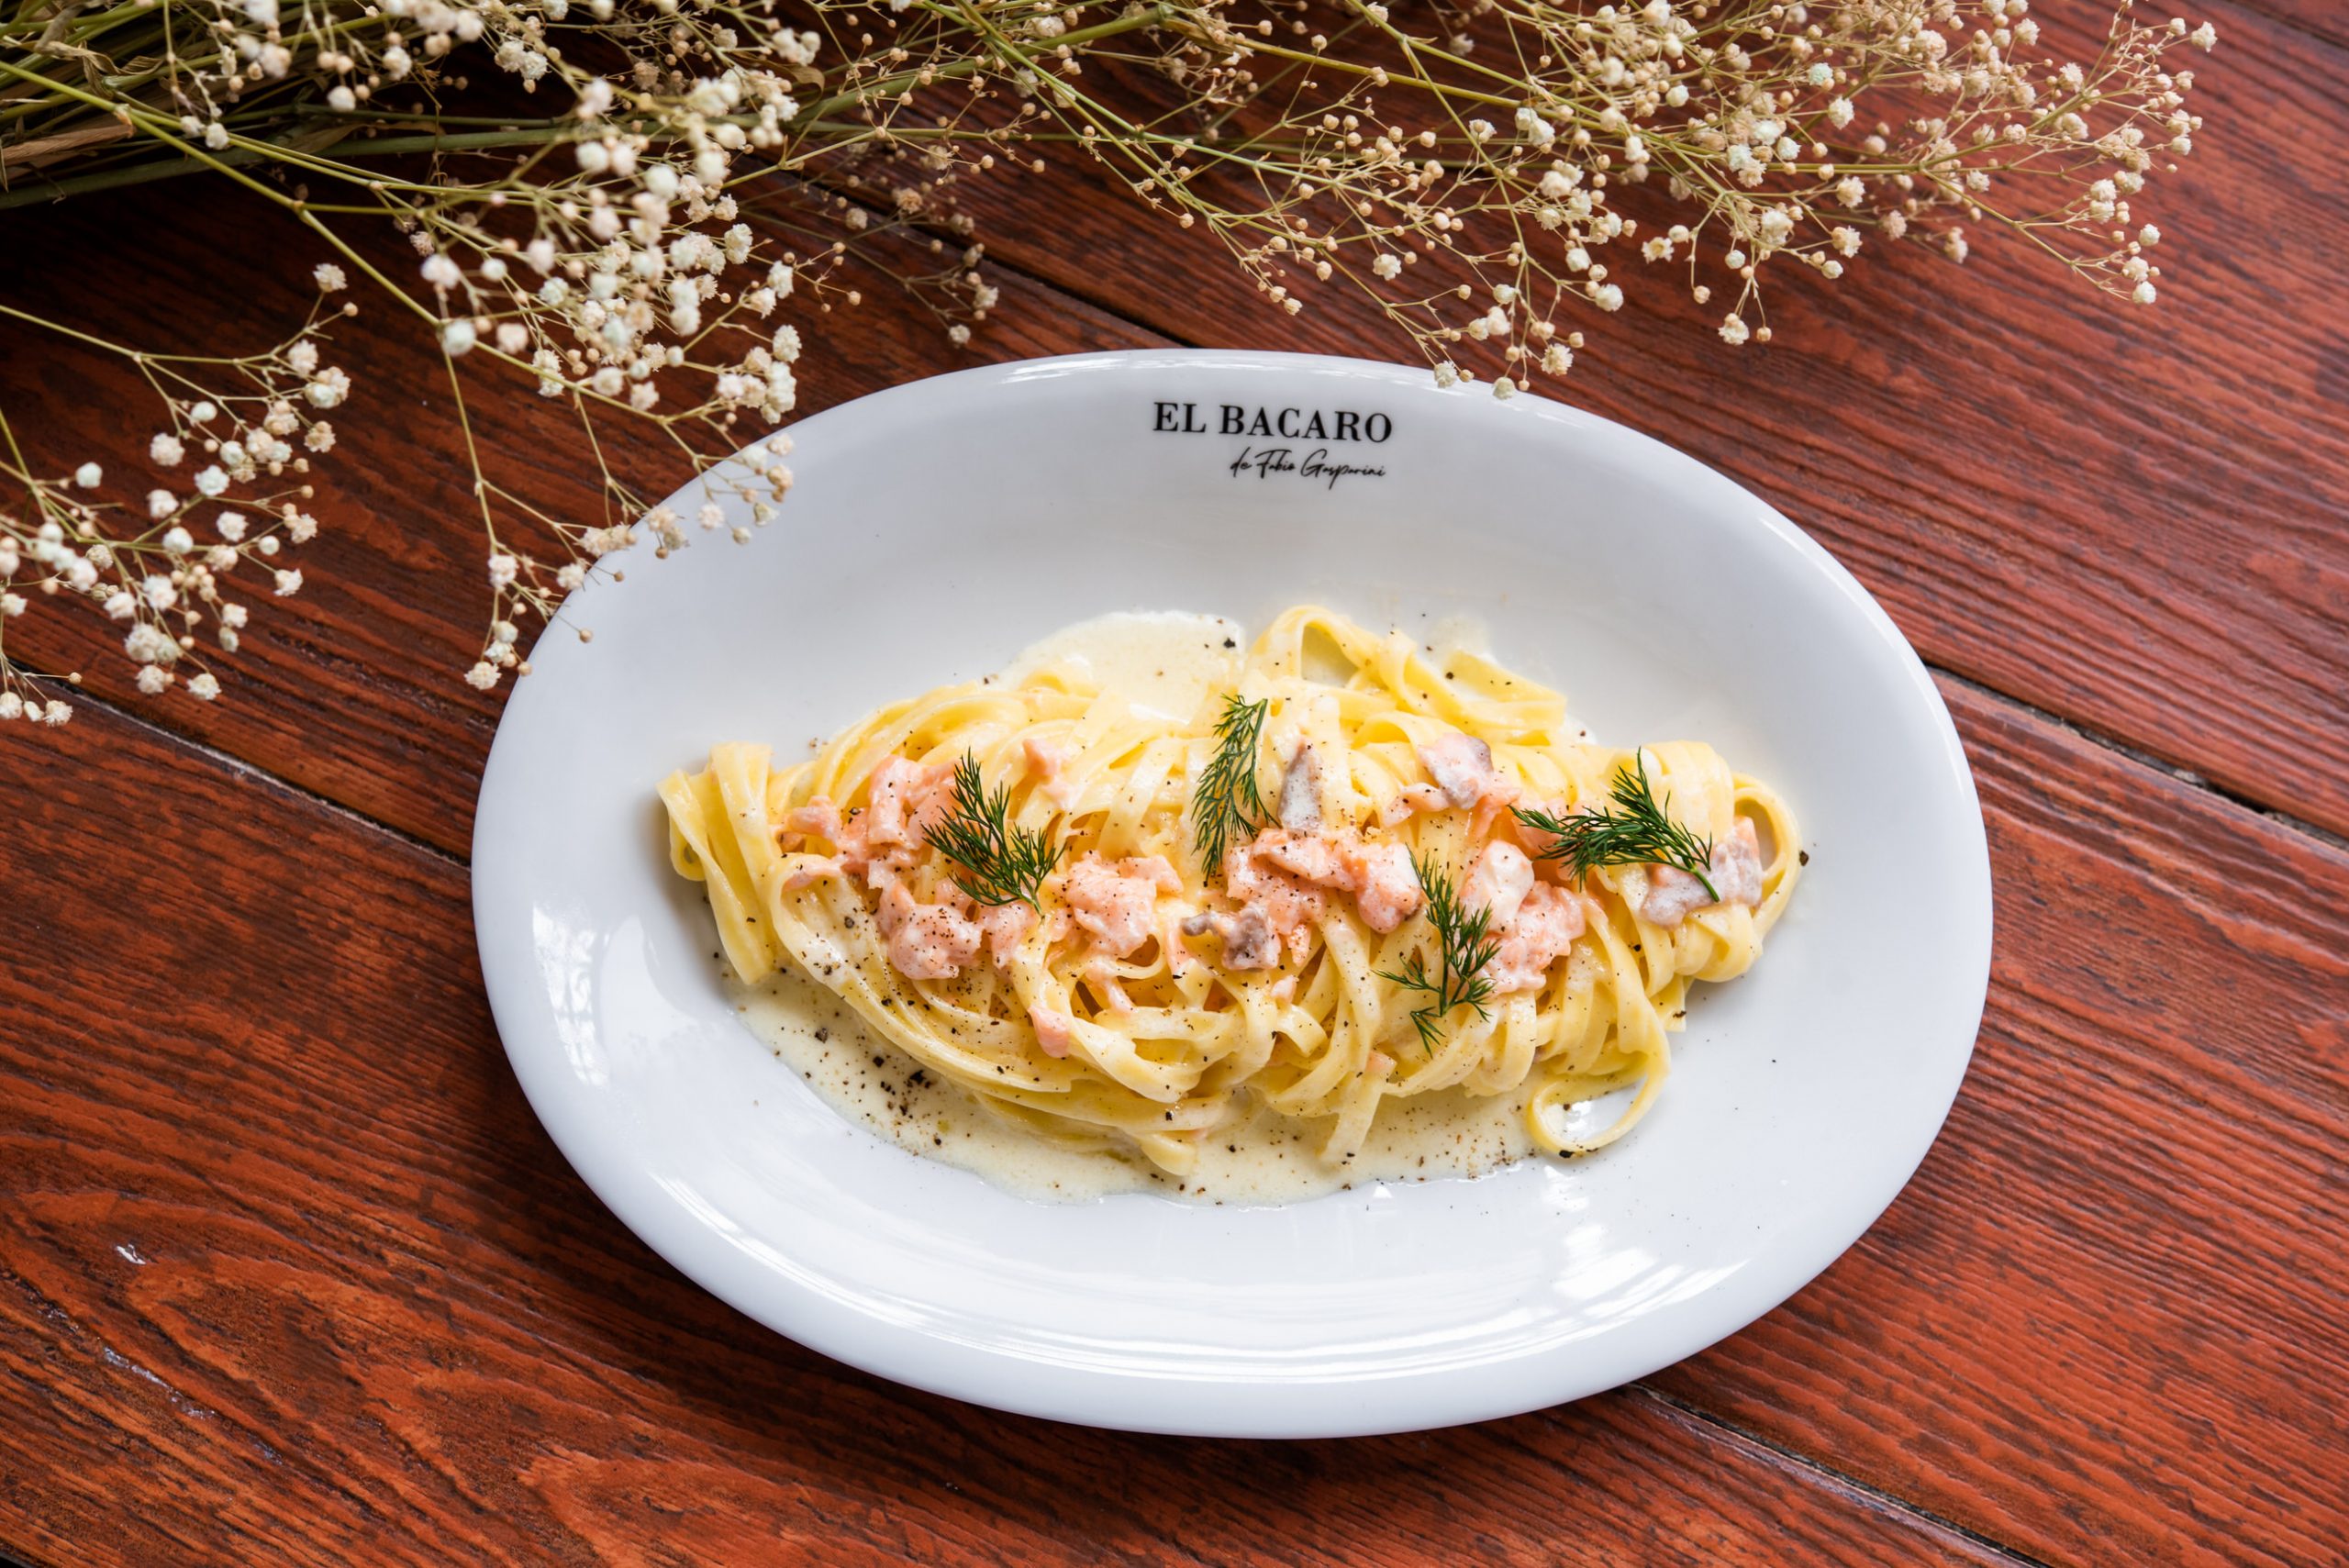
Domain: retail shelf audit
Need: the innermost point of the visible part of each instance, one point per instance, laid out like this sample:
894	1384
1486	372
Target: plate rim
1443	1397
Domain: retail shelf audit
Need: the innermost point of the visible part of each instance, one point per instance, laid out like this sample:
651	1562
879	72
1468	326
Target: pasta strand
1145	1038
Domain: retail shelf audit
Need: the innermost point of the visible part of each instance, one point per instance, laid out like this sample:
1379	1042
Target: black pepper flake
1802	857
823	1035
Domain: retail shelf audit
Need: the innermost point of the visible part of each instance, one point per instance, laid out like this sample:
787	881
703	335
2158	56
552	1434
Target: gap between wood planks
1110	306
1831	1479
1812	1471
14	1557
2185	776
2102	741
2095	737
1115	310
1756	1449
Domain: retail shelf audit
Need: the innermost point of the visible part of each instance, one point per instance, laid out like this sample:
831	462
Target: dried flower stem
651	254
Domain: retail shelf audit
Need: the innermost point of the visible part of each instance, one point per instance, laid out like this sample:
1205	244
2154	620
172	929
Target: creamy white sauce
1170	663
1466	632
1162	661
1264	1159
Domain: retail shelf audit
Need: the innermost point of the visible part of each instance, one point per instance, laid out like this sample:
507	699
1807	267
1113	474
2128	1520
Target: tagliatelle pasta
1140	997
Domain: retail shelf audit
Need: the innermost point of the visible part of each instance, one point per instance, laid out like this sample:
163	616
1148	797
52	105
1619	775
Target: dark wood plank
2165	567
2326	19
2105	1321
352	689
291	1275
2102	1326
2139	520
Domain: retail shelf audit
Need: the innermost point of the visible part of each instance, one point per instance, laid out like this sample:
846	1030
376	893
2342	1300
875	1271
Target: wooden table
289	1273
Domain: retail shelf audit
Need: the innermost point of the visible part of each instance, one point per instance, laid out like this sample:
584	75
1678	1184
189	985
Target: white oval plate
936	530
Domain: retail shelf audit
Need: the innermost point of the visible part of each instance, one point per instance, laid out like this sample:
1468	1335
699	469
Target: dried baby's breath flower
159	564
644	211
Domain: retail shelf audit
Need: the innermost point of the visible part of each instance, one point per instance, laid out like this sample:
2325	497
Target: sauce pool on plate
1167	662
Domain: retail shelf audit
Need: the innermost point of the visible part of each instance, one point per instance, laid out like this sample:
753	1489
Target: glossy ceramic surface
937	528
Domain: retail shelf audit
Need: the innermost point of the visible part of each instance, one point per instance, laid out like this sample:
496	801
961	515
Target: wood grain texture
2118	1275
352	689
288	1273
2137	518
293	1266
2326	19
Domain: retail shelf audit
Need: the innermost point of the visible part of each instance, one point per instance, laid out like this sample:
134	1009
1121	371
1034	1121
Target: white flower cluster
1763	130
661	245
166	577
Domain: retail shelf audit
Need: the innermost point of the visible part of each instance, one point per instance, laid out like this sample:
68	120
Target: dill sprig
1639	833
1465	946
995	862
1225	800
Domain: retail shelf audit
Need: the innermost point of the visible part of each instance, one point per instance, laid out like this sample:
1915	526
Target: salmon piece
1543	925
1499	883
1282	879
1415	797
1045	758
1005	927
1049	760
1671	897
1462	766
1736	872
1311	857
1157	868
907	800
1385	883
1378	873
820	818
1248	938
1053	1030
927	941
851	840
1464	776
1488	809
1285	904
1116	904
1532	841
1737	865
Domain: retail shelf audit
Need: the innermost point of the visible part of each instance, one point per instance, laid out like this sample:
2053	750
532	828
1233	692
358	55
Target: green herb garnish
994	862
1225	801
1465	946
1640	833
